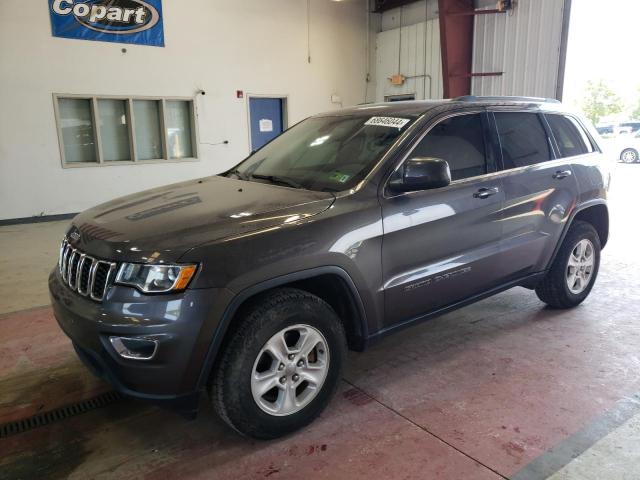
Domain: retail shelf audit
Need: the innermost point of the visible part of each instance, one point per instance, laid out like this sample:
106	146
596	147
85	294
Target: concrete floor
505	388
27	253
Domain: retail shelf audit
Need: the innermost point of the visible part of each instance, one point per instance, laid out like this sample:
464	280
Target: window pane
178	115
77	130
146	114
583	134
523	139
324	153
114	132
568	136
458	140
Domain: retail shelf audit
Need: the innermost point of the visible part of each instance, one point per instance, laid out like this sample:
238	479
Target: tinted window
570	137
459	141
324	153
522	138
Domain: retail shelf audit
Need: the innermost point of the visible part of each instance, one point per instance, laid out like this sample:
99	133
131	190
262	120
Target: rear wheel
574	269
281	366
629	155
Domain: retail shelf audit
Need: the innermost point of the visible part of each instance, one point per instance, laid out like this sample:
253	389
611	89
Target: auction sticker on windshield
392	122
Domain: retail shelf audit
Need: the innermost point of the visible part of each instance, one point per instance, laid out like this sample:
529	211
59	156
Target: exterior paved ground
502	389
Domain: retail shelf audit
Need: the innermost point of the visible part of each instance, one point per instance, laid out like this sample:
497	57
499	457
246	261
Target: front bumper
182	323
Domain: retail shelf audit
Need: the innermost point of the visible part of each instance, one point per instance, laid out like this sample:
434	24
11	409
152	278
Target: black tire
630	155
230	385
553	289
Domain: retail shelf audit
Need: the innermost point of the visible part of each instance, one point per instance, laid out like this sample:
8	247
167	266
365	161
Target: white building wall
219	46
524	44
405	51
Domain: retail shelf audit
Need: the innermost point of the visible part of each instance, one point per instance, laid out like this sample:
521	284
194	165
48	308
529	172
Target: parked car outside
634	126
251	285
606	131
631	148
625	147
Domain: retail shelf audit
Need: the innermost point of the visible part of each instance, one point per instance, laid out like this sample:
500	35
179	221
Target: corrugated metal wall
409	44
410	14
524	44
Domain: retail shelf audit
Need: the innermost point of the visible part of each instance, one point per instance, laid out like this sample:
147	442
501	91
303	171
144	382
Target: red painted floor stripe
351	440
39	370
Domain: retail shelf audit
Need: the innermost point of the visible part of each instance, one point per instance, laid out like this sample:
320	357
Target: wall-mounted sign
266	125
122	21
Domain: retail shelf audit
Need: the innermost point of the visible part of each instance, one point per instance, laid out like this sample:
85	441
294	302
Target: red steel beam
456	43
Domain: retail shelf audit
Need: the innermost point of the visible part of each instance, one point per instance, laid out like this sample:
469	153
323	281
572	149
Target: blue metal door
266	120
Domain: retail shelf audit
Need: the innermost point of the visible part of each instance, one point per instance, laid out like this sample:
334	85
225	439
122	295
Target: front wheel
281	366
574	270
629	155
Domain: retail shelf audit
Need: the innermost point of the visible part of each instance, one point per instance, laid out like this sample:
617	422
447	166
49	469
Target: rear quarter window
569	135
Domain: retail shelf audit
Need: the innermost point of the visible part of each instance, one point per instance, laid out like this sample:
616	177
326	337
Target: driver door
441	246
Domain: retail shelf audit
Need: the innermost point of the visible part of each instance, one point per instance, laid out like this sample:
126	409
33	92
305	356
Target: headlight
155	278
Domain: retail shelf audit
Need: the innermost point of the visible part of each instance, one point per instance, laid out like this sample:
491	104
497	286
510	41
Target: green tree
600	101
636	111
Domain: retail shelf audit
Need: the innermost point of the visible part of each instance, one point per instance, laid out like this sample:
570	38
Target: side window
523	139
569	135
458	140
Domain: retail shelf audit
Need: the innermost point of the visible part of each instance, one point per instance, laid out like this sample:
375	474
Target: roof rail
474	98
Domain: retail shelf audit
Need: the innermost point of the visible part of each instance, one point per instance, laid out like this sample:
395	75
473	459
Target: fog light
134	348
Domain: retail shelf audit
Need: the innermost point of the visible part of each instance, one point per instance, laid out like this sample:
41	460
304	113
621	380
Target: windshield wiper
238	174
276	179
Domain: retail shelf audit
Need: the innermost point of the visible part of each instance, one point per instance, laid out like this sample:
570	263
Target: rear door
440	246
540	192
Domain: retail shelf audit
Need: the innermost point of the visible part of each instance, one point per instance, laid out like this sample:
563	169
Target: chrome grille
84	274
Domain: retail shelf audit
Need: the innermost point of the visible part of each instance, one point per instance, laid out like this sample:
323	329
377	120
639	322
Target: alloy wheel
290	370
580	266
629	156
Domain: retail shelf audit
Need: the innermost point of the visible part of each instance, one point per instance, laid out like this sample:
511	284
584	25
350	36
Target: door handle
560	174
485	192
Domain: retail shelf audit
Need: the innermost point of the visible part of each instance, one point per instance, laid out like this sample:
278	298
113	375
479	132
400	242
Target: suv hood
160	225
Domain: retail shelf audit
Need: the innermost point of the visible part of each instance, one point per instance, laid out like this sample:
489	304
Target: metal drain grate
45	418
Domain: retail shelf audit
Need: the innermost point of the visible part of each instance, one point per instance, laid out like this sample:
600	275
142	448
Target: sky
604	43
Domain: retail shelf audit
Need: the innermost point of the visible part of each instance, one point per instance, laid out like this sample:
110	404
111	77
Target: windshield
323	153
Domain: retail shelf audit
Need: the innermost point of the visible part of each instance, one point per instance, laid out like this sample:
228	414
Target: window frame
95	116
553	149
493	167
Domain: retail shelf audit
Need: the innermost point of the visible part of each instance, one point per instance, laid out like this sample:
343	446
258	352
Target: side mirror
422	173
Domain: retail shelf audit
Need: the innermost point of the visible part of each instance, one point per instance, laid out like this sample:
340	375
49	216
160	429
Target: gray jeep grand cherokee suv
350	225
